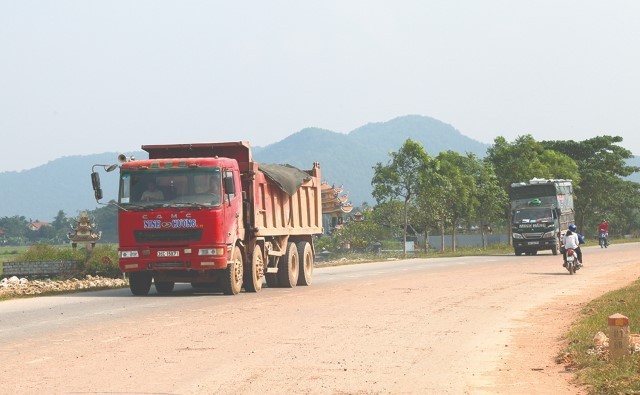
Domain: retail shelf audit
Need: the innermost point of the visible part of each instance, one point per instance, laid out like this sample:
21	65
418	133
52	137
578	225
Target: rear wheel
140	282
164	287
231	281
255	272
289	267
305	256
571	266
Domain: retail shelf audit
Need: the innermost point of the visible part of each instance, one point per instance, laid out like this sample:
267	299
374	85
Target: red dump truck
208	215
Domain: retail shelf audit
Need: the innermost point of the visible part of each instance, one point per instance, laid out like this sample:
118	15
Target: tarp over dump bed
287	177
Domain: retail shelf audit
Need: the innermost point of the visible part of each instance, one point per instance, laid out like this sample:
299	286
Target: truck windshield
533	215
177	186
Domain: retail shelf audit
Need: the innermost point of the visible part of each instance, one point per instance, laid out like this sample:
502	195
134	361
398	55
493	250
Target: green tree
361	235
457	188
60	226
526	158
15	228
491	198
431	201
106	220
389	215
601	191
398	180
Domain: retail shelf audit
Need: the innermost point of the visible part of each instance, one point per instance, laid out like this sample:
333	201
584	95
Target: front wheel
231	281
140	282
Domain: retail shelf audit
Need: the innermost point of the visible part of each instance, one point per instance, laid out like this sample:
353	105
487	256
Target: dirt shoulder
540	338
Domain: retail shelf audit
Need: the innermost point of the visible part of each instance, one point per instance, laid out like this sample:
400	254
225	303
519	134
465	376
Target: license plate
533	243
166	254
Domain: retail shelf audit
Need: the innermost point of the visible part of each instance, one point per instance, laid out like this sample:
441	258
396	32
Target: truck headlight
548	234
517	236
128	254
211	251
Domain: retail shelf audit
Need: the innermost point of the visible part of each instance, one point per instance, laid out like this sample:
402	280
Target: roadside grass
9	253
593	368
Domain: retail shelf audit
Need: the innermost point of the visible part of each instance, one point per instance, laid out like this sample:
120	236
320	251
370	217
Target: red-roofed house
37	225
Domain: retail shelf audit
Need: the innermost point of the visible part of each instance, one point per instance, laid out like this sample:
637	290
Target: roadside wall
40	268
435	242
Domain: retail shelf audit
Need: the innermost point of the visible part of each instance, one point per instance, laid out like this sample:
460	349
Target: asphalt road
447	325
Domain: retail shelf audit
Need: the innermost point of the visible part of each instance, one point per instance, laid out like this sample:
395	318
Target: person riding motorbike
571	241
603	231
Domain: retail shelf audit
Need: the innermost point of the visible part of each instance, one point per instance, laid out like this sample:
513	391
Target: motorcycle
571	262
603	238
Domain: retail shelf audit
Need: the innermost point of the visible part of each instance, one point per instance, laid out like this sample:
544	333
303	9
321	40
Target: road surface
475	325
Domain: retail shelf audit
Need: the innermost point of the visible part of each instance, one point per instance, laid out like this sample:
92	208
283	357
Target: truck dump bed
276	211
557	194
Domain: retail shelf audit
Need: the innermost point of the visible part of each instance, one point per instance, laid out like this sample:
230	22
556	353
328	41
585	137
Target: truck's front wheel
231	281
140	282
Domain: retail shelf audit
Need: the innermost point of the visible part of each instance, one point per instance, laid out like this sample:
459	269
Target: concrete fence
462	240
40	268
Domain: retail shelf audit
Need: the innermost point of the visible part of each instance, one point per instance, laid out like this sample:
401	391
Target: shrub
45	252
103	262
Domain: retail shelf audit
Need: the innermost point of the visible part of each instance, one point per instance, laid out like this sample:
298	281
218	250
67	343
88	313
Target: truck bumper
535	245
168	259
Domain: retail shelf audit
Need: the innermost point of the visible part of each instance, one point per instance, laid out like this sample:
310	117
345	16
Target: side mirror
95	181
229	186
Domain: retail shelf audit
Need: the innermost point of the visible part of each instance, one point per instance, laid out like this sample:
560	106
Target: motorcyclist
604	226
571	241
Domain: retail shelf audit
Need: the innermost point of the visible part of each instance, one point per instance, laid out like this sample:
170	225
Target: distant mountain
345	159
348	160
62	184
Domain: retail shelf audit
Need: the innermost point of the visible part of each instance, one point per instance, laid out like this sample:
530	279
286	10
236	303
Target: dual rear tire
295	268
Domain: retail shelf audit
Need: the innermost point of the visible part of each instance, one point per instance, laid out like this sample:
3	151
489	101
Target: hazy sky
82	77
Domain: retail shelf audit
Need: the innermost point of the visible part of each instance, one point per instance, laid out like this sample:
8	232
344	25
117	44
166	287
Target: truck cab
179	215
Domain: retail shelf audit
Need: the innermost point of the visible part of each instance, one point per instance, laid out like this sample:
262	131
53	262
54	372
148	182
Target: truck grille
532	235
150	236
168	265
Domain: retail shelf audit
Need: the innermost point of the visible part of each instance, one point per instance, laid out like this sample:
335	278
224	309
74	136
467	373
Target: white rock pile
14	286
